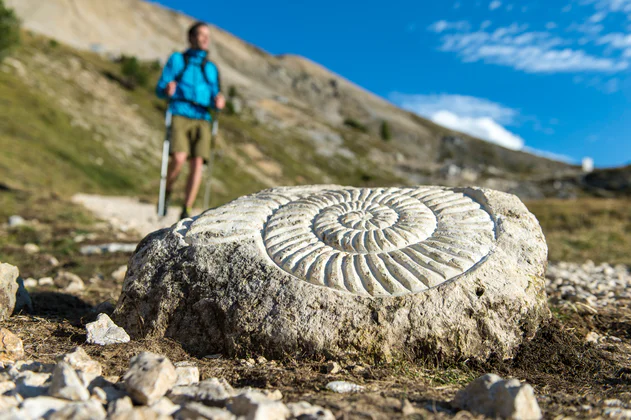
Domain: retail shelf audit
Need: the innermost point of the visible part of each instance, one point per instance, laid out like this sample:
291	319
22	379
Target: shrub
232	92
135	72
349	122
9	30
385	131
229	109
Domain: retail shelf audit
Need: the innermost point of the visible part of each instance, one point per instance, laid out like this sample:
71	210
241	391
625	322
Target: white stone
103	331
149	377
298	269
119	406
165	407
253	405
8	289
7	403
342	387
69	282
333	368
46	281
617	413
492	396
31	248
186	375
87	368
16	220
88	410
11	347
197	411
67	384
304	411
31	384
107	248
30	283
38	407
54	262
211	391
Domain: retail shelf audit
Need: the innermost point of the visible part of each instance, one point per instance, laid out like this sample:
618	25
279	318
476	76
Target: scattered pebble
31	282
69	282
587	285
343	387
31	248
104	331
333	368
107	248
15	221
46	281
149	377
11	348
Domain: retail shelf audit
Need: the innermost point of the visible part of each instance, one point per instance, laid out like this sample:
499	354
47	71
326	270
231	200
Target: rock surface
149	378
492	396
339	271
8	289
86	368
66	384
104	331
11	347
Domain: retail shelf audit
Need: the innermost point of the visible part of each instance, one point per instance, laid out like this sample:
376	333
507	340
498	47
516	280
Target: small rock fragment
256	406
149	377
88	410
186	375
304	411
54	262
199	411
343	387
119	274
31	384
592	337
87	368
7	403
30	282
31	248
11	347
103	331
99	395
38	407
333	368
66	280
16	220
46	281
165	407
119	406
212	392
8	289
66	384
492	396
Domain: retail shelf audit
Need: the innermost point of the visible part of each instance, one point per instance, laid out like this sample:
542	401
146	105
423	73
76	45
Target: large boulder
344	272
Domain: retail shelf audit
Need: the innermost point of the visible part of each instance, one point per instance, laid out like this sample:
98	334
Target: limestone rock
212	392
88	410
304	411
333	368
69	282
341	272
253	405
41	407
46	281
31	248
199	411
32	384
343	387
165	407
8	289
149	378
66	384
103	331
119	406
492	396
11	348
87	368
23	302
30	283
16	220
186	374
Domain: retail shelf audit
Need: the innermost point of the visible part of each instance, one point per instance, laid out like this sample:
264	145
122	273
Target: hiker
191	84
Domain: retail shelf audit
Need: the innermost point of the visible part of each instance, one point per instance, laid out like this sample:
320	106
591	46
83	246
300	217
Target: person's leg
175	167
194	180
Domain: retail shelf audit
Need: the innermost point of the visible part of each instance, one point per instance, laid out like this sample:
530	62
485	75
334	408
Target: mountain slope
275	87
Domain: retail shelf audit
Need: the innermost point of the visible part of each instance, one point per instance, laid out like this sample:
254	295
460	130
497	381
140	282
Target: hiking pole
213	138
162	210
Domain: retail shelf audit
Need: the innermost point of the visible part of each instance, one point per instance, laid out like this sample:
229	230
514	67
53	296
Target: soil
571	377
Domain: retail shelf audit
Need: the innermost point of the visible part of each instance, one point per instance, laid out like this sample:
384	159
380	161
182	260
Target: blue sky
546	76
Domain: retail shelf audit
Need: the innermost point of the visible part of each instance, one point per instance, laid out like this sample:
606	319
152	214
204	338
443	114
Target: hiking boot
186	213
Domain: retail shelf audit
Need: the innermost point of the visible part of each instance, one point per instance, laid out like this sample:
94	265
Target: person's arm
166	85
217	100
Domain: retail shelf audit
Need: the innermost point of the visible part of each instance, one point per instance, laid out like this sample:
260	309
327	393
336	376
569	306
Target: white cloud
531	52
475	116
495	5
598	17
443	25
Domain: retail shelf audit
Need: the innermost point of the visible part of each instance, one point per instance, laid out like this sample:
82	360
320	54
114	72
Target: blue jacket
192	86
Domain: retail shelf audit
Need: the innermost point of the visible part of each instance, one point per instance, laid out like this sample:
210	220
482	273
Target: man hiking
191	84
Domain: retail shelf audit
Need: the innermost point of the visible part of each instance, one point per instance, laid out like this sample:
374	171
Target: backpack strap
179	76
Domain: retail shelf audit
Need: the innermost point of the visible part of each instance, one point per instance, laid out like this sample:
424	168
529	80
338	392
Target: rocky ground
578	364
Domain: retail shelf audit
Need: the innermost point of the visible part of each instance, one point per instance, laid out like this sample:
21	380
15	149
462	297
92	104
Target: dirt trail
128	213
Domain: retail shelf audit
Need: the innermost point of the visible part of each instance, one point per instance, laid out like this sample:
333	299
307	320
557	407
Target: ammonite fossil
382	241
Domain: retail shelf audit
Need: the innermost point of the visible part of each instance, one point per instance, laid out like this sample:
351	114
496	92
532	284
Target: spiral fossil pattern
378	242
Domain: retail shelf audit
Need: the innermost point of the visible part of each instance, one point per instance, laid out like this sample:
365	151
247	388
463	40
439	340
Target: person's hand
170	89
220	101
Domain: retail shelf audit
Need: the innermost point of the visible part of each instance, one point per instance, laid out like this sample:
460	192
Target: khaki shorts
190	136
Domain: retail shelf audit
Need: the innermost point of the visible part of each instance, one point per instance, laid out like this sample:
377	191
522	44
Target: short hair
192	31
